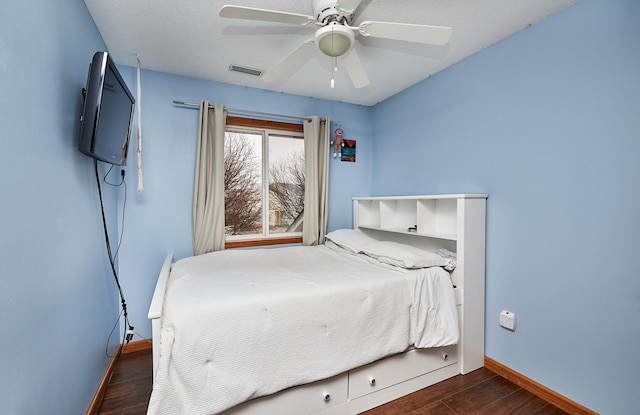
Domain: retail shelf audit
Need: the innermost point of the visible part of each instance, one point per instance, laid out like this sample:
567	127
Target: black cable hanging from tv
128	334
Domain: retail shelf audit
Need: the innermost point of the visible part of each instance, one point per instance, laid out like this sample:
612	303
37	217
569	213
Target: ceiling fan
335	36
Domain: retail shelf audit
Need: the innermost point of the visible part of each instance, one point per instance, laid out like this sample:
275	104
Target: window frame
244	241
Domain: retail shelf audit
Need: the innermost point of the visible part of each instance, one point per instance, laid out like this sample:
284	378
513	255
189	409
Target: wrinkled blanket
240	324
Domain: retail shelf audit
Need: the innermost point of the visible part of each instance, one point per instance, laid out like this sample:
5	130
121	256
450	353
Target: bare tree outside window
264	182
242	184
286	192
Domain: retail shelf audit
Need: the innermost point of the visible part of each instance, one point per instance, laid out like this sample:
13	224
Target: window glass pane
243	183
286	183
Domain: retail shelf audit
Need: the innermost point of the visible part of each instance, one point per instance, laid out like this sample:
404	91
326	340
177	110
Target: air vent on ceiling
246	69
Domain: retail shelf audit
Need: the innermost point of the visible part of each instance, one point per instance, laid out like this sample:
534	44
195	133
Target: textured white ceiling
189	38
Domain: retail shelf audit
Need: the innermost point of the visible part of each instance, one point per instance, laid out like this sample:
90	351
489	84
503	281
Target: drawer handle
372	381
445	356
326	397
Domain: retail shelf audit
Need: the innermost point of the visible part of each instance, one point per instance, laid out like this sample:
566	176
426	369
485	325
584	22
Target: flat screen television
105	125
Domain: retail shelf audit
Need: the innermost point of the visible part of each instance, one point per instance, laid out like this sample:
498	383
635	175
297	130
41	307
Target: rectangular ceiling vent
246	69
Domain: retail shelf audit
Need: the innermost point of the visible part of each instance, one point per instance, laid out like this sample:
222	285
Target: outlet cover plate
508	320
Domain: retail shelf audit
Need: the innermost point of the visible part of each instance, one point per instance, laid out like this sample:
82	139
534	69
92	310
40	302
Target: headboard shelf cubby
455	222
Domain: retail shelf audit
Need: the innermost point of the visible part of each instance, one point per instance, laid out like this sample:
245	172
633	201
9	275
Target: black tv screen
108	113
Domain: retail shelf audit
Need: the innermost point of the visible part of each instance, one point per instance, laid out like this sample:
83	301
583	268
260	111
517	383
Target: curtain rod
241	111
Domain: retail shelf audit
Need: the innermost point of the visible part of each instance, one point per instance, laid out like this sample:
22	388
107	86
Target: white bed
302	330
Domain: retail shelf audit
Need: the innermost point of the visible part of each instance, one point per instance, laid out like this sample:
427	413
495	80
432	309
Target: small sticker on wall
348	150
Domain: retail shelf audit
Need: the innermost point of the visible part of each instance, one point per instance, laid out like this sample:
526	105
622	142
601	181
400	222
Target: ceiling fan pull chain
335	62
335	66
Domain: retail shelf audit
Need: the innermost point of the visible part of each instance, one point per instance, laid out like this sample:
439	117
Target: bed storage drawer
392	370
305	399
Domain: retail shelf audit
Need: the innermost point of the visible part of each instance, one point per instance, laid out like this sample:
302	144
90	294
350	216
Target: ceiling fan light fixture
334	39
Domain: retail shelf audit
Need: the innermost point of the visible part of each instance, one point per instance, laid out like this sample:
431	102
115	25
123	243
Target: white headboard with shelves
455	222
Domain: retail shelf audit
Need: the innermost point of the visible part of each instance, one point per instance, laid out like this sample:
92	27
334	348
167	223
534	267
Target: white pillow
405	256
350	239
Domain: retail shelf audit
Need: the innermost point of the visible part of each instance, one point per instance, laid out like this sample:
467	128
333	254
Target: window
264	182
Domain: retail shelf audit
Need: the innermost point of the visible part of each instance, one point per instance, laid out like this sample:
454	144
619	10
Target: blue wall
158	220
58	301
547	123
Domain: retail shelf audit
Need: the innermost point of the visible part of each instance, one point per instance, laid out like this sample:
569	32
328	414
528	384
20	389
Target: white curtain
208	192
316	158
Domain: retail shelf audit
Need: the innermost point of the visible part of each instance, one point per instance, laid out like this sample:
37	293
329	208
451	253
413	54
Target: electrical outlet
130	334
508	320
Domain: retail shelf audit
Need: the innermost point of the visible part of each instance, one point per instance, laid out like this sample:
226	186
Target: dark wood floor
130	385
481	392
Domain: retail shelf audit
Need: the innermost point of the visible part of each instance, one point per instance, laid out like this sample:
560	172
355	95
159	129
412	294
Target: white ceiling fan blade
290	63
349	6
251	13
352	63
432	35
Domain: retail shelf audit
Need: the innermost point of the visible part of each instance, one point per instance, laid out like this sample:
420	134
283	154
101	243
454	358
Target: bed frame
455	222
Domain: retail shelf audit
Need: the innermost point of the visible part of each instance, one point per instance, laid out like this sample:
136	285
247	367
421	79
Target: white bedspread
240	324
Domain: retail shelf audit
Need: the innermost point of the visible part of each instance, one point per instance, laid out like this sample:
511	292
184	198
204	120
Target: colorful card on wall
348	151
